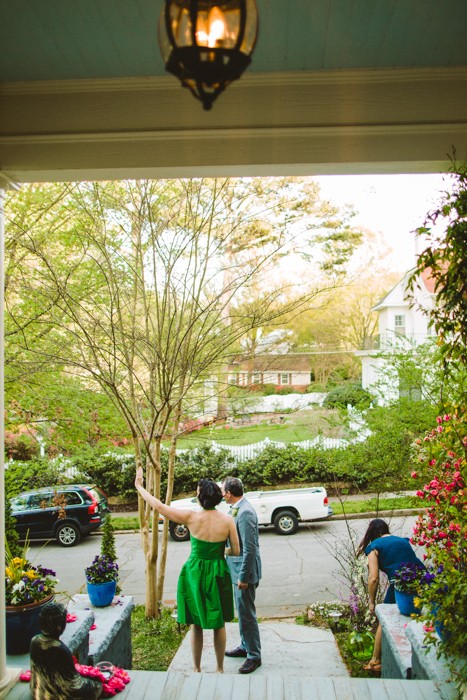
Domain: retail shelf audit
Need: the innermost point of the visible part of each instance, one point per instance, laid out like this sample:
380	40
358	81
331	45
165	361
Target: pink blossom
414	475
439	419
446	417
439	429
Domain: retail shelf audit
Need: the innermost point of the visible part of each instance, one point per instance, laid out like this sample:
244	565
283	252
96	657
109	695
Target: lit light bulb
214	33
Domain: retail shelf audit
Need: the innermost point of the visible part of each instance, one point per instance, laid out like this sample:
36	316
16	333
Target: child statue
53	672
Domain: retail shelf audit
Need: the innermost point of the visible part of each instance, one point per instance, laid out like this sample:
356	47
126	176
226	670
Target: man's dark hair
209	493
233	485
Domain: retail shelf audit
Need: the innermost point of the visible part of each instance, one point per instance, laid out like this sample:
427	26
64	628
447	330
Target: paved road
297	570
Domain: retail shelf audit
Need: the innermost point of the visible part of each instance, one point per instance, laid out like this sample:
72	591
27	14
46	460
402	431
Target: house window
284	379
399	324
257	378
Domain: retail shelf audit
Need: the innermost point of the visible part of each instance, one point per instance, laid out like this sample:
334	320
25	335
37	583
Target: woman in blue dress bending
386	553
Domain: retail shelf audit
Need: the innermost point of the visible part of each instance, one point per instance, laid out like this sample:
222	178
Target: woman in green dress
204	592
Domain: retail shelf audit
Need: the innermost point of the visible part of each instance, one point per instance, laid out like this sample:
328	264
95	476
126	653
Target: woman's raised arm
175	514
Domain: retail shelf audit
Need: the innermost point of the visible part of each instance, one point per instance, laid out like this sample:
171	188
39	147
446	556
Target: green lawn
367	506
296	427
154	642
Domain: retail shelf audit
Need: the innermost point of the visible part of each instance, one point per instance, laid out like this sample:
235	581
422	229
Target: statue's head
52	619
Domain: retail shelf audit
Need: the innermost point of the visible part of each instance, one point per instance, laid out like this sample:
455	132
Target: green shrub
201	463
269	389
316	387
11	534
285	390
20	446
113	472
347	395
32	474
108	539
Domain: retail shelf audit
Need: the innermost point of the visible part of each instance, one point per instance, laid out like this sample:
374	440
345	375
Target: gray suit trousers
247	621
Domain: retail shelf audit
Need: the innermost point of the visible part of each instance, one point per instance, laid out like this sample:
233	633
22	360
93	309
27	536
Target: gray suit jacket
247	566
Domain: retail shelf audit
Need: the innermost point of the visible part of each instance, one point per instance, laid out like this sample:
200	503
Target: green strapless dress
204	592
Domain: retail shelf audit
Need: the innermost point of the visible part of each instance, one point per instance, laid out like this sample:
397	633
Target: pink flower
439	429
414	475
439	419
432	462
446	417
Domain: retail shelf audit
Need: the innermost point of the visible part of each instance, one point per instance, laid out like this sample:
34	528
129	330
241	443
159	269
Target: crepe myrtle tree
136	282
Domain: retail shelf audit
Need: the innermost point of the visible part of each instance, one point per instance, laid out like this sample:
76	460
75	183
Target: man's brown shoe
250	665
237	652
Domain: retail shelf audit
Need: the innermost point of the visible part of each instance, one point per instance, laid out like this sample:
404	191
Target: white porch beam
360	121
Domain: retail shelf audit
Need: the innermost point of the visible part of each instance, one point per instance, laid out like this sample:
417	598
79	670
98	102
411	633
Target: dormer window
399	324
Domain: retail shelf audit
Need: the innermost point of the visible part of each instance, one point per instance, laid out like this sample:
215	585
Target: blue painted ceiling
70	39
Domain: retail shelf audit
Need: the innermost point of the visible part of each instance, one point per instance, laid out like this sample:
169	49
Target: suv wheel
286	523
67	535
179	532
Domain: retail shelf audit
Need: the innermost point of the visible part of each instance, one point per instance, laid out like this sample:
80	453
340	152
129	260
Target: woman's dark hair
209	493
377	528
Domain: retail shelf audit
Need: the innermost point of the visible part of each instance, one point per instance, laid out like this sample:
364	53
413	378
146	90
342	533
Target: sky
393	204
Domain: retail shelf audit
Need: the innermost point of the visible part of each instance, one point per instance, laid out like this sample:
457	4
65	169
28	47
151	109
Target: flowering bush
102	570
442	530
26	583
409	578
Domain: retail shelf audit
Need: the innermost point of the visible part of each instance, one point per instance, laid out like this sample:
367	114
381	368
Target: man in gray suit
246	573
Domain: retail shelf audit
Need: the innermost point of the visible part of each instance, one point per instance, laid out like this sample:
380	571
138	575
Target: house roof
397	296
428	280
291	362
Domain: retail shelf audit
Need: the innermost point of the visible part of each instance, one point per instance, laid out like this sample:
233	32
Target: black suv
66	513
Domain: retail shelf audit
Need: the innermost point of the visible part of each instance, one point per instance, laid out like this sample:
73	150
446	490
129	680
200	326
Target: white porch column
8	676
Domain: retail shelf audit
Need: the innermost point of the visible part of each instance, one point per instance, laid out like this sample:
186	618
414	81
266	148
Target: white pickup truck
284	509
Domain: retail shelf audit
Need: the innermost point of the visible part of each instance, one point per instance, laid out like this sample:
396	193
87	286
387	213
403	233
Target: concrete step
152	685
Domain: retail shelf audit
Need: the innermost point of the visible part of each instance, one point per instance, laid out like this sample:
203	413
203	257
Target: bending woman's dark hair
376	528
209	493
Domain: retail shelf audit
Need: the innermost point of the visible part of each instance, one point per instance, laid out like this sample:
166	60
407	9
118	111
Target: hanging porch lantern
207	43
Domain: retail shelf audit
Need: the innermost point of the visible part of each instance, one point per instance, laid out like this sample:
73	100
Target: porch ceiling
335	86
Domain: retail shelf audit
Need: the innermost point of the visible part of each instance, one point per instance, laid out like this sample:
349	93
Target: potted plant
28	587
101	580
408	581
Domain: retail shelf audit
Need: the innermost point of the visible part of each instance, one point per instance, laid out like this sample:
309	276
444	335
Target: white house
402	323
291	370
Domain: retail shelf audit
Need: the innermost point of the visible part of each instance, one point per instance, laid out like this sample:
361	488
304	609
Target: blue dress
393	551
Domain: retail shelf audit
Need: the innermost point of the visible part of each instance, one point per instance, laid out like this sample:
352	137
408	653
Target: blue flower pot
22	624
101	594
405	603
440	629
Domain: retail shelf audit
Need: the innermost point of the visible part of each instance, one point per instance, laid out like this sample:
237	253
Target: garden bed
336	617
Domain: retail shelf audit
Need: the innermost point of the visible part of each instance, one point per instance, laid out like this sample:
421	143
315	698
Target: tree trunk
168	498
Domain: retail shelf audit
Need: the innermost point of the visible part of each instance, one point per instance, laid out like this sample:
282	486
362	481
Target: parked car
284	509
65	513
